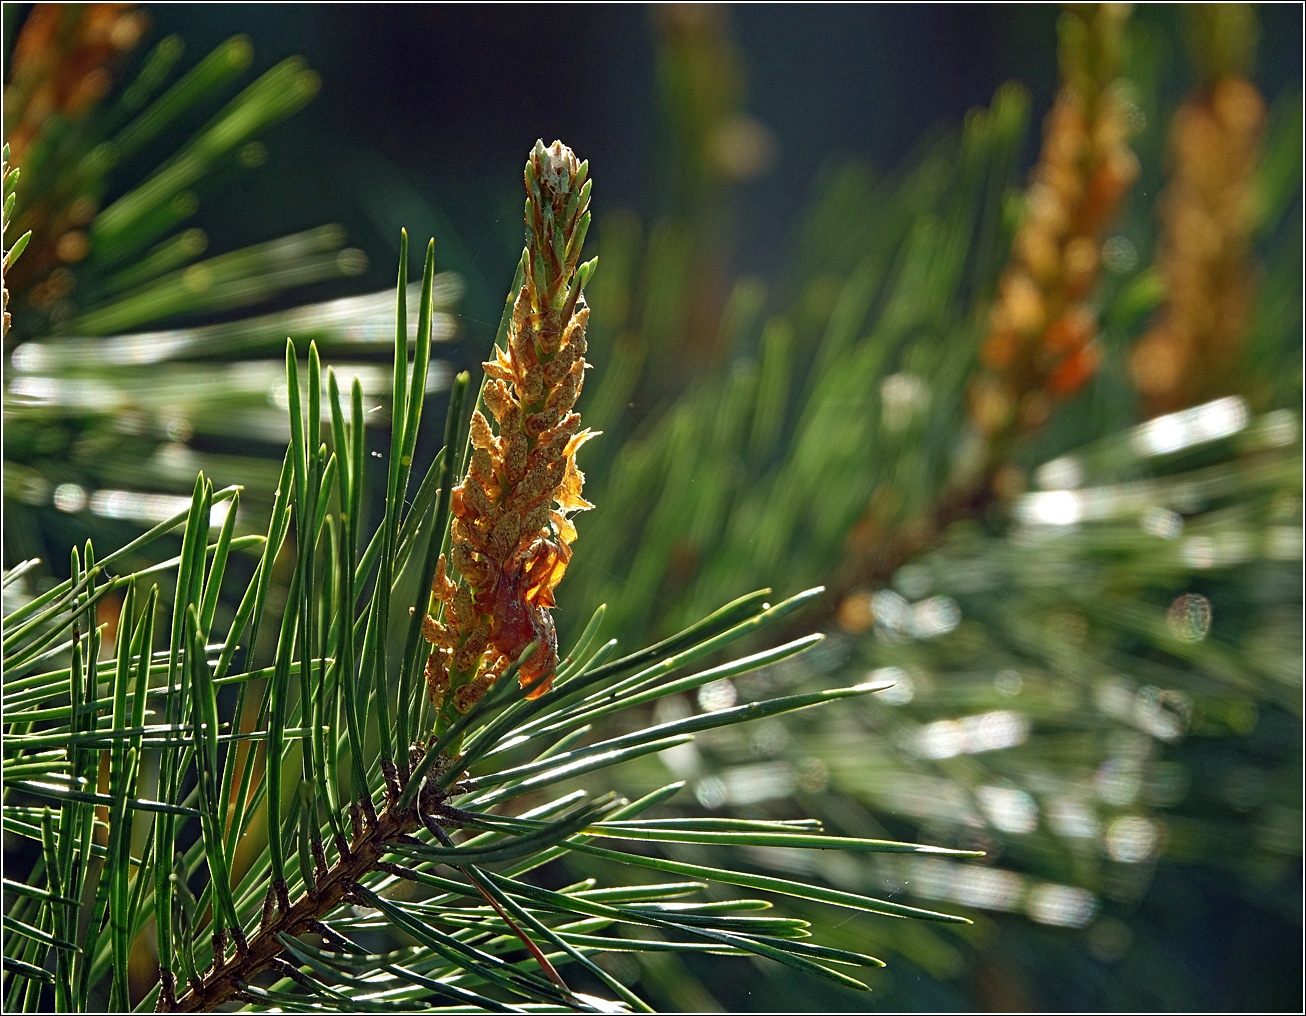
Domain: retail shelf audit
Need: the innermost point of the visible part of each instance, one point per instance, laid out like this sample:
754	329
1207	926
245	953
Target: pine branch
865	568
227	977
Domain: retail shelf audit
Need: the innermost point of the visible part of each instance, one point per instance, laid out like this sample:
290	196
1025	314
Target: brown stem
223	982
877	565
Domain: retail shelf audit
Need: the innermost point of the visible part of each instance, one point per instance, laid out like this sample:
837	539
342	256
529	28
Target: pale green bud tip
556	168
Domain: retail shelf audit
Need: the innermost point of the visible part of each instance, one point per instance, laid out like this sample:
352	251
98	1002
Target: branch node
269	909
330	935
320	866
282	893
392	788
288	969
369	810
219	950
451	816
398	870
167	991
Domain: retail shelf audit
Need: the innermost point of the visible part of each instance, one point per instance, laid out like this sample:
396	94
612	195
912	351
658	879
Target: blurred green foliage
1098	664
106	423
